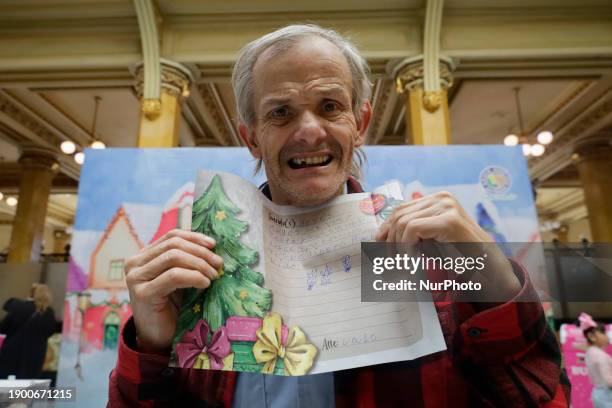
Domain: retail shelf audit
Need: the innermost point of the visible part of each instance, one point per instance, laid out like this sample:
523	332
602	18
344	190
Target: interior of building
80	74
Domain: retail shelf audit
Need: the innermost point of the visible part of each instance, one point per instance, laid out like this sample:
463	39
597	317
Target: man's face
305	129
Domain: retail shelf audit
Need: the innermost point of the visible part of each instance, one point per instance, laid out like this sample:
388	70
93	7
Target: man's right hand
179	259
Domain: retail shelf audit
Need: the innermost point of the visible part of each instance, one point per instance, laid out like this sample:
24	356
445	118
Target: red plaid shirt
505	356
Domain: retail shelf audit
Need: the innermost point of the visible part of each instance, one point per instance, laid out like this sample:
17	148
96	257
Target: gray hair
281	40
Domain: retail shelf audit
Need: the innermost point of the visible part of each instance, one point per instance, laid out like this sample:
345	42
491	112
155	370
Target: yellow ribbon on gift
203	362
298	355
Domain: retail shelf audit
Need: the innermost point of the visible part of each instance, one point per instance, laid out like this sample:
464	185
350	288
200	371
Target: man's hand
179	259
441	218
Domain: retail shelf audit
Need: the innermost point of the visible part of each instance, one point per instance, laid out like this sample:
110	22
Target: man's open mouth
303	162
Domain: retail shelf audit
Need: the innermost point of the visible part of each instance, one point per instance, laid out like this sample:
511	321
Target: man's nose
310	130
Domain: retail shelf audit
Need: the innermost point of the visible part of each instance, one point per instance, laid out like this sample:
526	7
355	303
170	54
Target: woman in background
27	325
598	362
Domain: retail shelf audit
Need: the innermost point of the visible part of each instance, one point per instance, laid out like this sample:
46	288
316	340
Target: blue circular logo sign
495	180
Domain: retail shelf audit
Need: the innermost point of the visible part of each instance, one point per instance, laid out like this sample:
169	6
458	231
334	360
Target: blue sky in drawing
149	176
110	177
449	165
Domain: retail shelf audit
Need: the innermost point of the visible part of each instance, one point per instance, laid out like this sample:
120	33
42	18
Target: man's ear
249	140
363	122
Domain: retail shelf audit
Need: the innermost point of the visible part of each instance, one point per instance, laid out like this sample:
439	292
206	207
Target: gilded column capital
175	80
39	158
409	75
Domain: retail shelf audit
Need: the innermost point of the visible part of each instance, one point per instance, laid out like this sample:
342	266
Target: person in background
27	325
598	362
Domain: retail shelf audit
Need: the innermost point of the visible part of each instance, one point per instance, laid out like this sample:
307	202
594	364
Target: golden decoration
151	108
220	215
203	362
243	294
220	271
196	308
410	75
432	100
298	355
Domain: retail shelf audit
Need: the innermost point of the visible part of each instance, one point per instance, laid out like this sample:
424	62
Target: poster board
129	197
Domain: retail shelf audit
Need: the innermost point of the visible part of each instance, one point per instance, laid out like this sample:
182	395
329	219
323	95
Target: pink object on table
240	328
2	337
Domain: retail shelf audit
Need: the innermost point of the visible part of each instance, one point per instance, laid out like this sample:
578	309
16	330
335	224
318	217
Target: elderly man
302	100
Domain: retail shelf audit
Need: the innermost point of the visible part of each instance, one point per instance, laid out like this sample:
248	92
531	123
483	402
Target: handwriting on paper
313	266
346	263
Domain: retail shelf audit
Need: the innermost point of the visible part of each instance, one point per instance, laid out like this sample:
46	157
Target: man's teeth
310	160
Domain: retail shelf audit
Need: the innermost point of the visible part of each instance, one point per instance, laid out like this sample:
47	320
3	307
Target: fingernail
209	239
217	259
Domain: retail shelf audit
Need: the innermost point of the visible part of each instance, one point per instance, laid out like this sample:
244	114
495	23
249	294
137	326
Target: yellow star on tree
243	294
220	215
196	308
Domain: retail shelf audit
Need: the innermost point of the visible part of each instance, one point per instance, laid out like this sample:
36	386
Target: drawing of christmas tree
238	291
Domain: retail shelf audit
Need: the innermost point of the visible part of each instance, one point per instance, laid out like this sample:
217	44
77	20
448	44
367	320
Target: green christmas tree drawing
238	290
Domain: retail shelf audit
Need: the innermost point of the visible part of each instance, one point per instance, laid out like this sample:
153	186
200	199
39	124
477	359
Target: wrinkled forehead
310	59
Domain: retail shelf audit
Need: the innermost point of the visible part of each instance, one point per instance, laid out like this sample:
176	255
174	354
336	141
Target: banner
574	345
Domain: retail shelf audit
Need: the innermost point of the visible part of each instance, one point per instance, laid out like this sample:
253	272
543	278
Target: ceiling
57	55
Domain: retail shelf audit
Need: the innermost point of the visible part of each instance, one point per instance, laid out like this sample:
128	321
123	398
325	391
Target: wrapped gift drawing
296	353
247	344
267	346
199	349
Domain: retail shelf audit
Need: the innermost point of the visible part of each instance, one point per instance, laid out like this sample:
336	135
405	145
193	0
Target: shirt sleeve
135	372
503	333
142	379
515	348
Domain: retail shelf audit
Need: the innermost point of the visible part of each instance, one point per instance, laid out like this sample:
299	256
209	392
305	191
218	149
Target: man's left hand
441	218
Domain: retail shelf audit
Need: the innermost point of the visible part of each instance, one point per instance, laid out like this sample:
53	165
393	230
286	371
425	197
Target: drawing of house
177	211
102	324
130	229
69	327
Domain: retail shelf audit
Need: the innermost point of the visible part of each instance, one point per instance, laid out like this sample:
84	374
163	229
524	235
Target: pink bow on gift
586	321
195	342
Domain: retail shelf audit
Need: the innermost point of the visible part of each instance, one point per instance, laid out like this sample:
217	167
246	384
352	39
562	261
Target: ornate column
160	118
39	166
594	161
426	110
